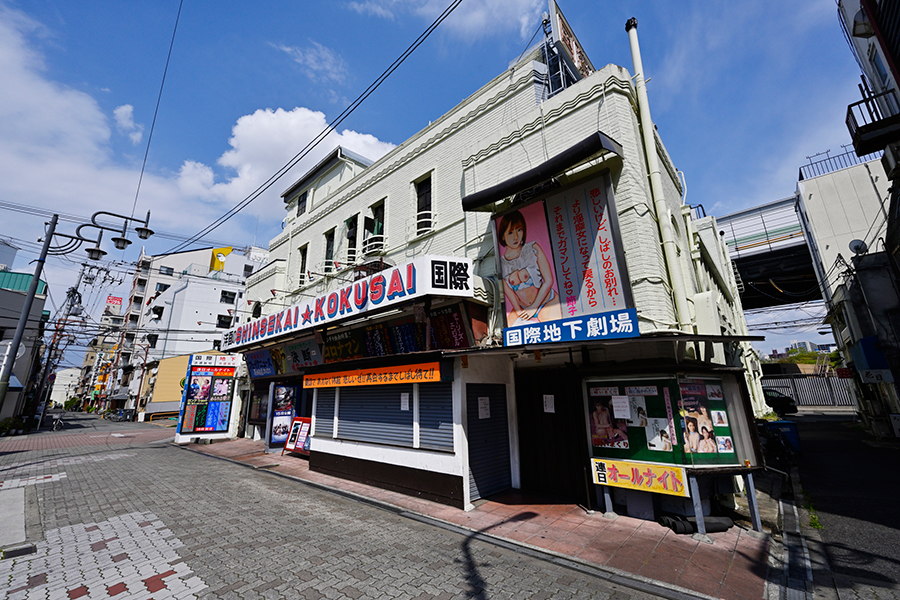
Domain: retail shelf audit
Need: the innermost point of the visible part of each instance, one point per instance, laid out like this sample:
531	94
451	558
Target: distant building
180	304
64	385
804	346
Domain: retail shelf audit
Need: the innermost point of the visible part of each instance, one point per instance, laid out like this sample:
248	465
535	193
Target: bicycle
57	424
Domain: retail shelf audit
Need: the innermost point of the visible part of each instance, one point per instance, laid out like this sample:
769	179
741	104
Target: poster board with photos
707	436
298	438
208	394
634	419
660	419
283	401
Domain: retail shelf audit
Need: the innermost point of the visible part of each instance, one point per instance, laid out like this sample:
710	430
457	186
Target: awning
594	144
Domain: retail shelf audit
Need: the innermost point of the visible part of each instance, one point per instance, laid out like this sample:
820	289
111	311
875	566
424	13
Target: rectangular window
424	215
374	235
248	271
352	224
228	297
166	271
304	275
152	339
161	287
301	204
329	252
879	68
223	321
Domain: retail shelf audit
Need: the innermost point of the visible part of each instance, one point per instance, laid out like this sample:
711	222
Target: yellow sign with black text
646	477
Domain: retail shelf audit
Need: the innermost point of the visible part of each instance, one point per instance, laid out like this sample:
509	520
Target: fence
812	390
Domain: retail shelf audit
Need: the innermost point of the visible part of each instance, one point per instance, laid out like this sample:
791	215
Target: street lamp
74	242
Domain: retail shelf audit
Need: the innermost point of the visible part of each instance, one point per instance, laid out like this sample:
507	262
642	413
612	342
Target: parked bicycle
57	423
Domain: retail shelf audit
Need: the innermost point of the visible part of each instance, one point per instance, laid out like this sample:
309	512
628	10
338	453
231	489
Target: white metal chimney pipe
676	280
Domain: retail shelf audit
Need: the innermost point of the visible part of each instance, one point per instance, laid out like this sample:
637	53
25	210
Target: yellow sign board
646	477
420	373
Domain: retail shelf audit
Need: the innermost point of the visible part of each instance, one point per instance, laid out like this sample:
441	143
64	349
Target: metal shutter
372	414
436	416
325	413
489	466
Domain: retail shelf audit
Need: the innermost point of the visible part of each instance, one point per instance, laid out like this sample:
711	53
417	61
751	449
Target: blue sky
741	93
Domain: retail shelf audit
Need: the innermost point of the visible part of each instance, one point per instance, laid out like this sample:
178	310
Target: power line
322	134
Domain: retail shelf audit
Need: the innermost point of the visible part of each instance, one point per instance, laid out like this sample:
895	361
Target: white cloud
56	154
319	63
124	116
261	143
372	8
473	19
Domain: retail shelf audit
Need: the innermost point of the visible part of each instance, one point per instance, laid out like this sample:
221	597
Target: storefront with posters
641	423
379	368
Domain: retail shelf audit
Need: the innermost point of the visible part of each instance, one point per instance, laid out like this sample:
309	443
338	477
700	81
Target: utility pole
26	309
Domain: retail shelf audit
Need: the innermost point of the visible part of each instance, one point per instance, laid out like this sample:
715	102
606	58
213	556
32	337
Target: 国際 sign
646	477
423	276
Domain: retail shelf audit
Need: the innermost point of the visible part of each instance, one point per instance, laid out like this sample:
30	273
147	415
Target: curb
617	576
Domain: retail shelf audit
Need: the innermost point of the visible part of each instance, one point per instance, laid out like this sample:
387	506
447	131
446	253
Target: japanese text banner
420	373
646	477
612	325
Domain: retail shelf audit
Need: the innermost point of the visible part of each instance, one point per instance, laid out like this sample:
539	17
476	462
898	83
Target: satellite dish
858	247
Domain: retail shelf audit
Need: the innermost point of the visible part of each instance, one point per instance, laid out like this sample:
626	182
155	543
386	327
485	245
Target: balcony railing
373	244
874	121
424	222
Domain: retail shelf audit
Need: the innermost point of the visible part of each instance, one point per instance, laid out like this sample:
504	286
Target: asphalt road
853	483
124	513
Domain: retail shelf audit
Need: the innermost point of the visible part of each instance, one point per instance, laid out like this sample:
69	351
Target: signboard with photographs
208	395
564	278
298	438
282	414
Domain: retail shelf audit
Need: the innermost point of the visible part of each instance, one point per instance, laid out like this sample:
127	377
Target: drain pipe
663	218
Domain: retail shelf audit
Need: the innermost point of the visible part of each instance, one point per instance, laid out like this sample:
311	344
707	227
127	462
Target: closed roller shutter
325	413
436	416
372	414
489	467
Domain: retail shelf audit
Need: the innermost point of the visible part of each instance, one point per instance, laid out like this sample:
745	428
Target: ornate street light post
74	242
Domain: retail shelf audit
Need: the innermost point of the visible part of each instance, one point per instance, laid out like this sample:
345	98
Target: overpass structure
774	246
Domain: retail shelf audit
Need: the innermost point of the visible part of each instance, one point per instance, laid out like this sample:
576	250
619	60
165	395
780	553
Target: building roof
335	156
19	282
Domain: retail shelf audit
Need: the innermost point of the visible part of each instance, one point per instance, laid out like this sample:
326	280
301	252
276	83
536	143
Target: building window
328	267
151	339
248	271
352	224
304	275
374	226
301	204
166	271
223	321
157	312
424	215
228	297
161	287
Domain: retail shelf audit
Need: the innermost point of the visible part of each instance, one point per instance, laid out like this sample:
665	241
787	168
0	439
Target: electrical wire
322	134
156	111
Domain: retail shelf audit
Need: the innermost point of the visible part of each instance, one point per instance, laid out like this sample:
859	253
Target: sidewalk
639	553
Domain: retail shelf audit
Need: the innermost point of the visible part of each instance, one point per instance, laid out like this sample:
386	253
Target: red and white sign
114	300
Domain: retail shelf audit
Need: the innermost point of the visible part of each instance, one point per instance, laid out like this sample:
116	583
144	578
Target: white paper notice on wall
549	403
621	408
404	401
484	407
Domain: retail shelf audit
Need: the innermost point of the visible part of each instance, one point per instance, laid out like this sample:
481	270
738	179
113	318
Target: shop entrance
552	438
488	433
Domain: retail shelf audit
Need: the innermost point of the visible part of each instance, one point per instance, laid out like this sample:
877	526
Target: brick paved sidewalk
734	566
